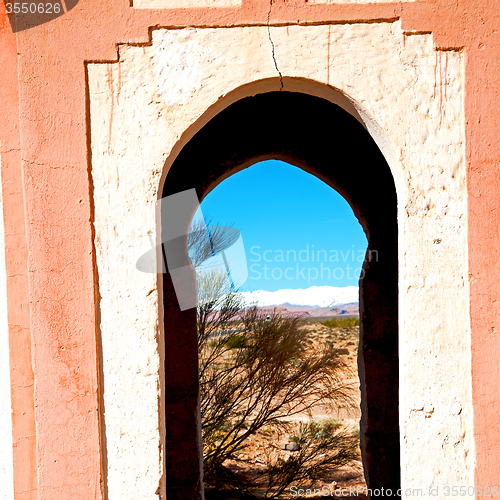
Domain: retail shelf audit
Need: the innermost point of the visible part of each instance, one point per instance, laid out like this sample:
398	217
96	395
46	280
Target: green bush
319	429
322	447
236	341
341	322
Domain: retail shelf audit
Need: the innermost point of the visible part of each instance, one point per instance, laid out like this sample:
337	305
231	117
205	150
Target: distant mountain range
312	297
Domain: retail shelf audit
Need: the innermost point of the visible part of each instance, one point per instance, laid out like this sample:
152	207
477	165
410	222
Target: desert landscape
250	463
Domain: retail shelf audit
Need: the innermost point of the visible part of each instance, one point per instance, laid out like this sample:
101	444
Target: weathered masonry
114	105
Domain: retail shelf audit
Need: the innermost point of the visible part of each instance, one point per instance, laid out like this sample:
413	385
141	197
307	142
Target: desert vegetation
274	393
262	379
337	322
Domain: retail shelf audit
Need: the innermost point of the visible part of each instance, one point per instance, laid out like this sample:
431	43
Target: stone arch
290	84
290	125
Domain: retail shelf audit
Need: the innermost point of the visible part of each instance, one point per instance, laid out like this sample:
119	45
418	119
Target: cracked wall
6	458
144	107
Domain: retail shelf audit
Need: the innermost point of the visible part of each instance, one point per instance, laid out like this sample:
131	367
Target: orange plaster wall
22	380
52	196
475	27
483	153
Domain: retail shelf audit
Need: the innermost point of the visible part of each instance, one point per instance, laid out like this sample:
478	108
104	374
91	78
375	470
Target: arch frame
139	120
376	212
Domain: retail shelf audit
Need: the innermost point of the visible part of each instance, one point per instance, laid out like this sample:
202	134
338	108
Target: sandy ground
251	461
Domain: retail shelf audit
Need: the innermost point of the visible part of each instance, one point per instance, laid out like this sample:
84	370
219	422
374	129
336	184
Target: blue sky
297	231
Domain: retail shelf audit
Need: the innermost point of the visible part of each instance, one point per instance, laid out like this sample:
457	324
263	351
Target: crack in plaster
272	44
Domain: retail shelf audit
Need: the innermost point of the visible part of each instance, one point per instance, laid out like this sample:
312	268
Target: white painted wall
6	459
410	98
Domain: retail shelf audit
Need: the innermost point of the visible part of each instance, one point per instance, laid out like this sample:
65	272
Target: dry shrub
259	376
256	371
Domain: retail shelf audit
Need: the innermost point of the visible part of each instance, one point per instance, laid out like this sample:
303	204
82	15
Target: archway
291	126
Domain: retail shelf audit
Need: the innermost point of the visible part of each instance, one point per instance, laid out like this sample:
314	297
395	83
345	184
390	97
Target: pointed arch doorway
325	140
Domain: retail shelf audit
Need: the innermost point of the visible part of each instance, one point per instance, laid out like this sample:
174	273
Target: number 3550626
33	8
